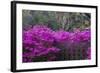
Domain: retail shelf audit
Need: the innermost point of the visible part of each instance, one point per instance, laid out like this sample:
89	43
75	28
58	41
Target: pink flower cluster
40	43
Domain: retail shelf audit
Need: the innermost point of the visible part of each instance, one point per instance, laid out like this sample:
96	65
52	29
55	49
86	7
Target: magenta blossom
41	43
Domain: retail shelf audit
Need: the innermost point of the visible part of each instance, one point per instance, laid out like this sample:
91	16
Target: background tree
57	20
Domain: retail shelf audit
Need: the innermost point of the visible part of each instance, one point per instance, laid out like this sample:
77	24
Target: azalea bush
41	43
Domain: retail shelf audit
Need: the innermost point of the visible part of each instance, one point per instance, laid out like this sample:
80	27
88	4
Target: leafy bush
41	43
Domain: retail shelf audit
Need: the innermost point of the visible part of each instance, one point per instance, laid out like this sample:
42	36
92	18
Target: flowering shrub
40	43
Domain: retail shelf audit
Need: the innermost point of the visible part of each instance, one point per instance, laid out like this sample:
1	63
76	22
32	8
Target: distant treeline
57	20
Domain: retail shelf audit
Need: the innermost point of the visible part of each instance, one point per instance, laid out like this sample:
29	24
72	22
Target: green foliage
57	20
